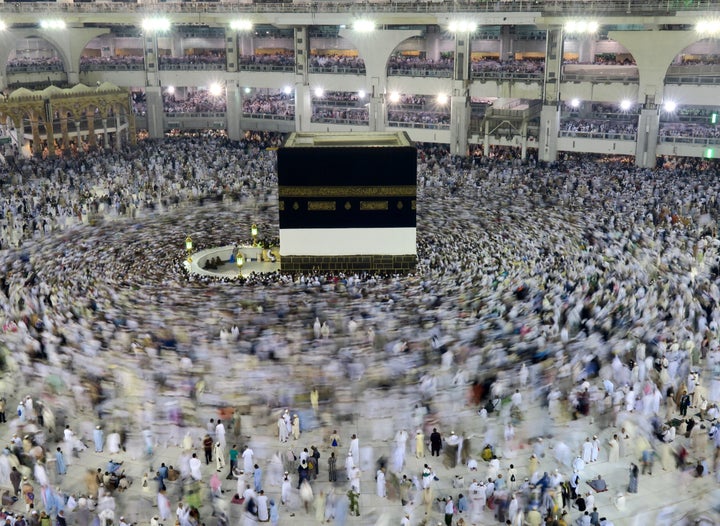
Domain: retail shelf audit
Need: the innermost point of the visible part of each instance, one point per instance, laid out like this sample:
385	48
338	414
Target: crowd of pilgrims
517	262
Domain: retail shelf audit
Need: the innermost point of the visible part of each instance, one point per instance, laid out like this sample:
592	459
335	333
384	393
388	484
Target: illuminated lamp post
254	233
189	247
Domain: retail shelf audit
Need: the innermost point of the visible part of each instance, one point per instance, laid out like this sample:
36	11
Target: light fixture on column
625	104
3	26
241	25
156	25
442	99
170	90
52	24
575	103
215	89
254	234
319	92
362	94
708	27
669	106
189	248
394	97
581	27
462	26
287	90
364	26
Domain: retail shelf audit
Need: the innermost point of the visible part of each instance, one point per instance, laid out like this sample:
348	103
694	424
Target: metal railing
197	115
35	68
701	141
111	67
695	79
268	116
267	67
208	66
423	125
599	135
337	69
507	75
547	7
330	120
597	79
419	72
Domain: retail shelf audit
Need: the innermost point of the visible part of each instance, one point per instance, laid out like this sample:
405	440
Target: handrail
268	116
695	79
419	72
331	120
337	69
703	141
424	125
506	75
547	7
598	135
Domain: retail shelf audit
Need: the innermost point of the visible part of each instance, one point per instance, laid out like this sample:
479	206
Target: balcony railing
337	70
419	72
508	75
700	141
268	116
547	7
599	135
423	125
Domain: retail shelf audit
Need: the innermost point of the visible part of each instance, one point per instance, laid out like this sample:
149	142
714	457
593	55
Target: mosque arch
33	45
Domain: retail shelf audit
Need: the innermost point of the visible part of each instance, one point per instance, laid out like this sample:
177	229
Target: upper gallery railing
547	7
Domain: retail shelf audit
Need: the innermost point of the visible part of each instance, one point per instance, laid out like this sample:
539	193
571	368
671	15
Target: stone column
118	138
231	50
234	111
90	114
155	112
78	138
106	138
64	131
549	127
37	141
647	137
550	113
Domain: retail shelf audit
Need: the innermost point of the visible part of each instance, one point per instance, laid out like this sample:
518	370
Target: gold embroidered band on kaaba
348	191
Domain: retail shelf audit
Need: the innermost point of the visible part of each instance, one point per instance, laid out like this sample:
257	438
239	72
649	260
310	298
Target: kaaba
347	202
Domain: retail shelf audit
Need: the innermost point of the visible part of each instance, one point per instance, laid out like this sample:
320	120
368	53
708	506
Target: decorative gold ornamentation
373	205
296	205
399	205
348	206
348	191
413	205
281	205
321	206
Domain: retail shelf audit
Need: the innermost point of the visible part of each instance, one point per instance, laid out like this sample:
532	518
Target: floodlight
361	94
241	25
215	89
710	27
52	24
394	97
462	26
670	106
3	26
364	26
287	90
586	27
575	103
625	105
156	25
170	90
442	99
319	92
247	90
